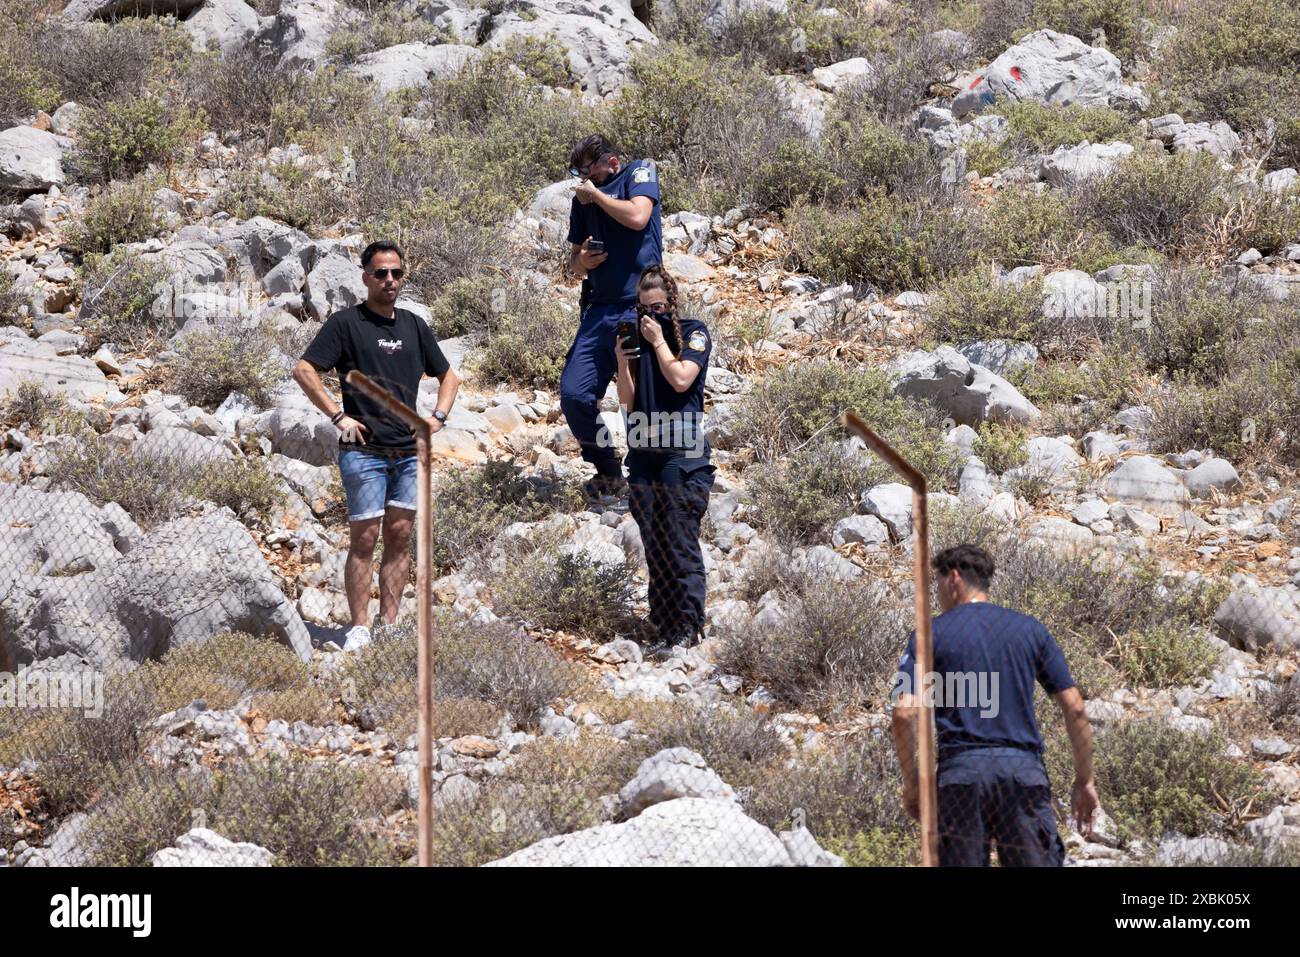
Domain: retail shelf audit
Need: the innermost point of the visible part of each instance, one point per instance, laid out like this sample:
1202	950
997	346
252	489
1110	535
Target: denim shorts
374	482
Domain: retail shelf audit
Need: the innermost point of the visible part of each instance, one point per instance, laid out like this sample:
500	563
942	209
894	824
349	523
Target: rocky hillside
1050	251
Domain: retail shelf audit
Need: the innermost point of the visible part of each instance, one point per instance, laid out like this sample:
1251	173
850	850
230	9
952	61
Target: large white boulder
1046	67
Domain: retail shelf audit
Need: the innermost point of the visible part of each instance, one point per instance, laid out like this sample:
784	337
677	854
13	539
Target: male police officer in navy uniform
617	205
992	784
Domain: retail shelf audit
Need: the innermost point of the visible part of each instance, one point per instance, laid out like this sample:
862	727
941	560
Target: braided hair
657	277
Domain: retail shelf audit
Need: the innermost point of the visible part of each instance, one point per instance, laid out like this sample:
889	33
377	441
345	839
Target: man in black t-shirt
394	347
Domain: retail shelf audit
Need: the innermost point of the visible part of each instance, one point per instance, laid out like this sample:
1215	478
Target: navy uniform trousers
998	795
588	369
668	495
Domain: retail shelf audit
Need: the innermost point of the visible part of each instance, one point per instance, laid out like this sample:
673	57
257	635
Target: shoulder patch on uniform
698	342
641	174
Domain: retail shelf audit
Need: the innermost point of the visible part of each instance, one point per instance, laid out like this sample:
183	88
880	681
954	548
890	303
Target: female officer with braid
661	390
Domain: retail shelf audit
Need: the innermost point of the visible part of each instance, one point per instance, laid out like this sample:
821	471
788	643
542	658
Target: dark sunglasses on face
383	273
658	309
584	171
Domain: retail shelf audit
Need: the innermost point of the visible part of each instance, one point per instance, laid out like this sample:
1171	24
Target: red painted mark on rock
1015	73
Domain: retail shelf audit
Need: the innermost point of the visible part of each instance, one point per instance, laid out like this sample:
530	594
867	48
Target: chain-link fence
173	610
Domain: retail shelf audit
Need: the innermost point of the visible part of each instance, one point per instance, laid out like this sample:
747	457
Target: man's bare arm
305	374
1084	801
905	720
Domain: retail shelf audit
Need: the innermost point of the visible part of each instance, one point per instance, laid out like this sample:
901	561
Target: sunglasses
384	273
658	309
585	171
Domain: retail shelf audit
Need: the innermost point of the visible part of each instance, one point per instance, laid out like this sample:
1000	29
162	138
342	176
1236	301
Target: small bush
123	213
211	365
975	305
472	505
291	194
31	407
1158	779
146	810
799	497
526	348
487	664
1162	202
309	813
867	153
118	295
543	59
1198	320
244	485
685	108
835	649
736	742
1120	20
388	29
1023	227
568	593
795	403
121	138
1001	447
147	486
850	800
882	241
1252	414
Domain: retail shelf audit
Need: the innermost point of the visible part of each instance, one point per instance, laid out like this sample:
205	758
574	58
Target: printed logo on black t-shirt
390	346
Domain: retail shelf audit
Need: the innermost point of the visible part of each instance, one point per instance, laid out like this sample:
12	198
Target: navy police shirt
629	250
987	658
663	420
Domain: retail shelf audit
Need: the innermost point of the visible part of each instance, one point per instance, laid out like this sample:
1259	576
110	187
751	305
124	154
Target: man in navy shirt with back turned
991	780
615	233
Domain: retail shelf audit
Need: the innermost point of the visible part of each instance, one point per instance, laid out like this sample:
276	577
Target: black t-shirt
394	352
663	420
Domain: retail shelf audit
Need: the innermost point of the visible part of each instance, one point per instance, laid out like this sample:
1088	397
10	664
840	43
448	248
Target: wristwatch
440	415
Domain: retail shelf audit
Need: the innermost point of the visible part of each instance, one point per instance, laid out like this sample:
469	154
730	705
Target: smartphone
629	335
595	245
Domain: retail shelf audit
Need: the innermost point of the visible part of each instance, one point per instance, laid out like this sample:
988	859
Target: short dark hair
590	149
971	562
381	246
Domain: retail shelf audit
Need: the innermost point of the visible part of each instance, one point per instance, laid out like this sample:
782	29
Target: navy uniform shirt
973	642
394	352
629	250
662	420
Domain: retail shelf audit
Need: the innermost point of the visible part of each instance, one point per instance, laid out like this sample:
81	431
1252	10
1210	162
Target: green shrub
1110	621
1162	202
881	240
1198	320
286	192
1001	447
244	485
147	486
526	349
118	295
309	813
31	407
1120	20
388	29
490	664
865	152
1024	227
570	593
835	649
850	799
12	302
221	671
122	137
796	402
122	213
1158	779
1041	128
975	305
800	496
543	59
211	365
472	505
684	109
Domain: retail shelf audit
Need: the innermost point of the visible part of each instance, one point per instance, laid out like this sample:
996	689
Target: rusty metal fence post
929	802
423	601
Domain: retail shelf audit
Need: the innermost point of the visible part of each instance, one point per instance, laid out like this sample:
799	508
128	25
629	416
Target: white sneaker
357	637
